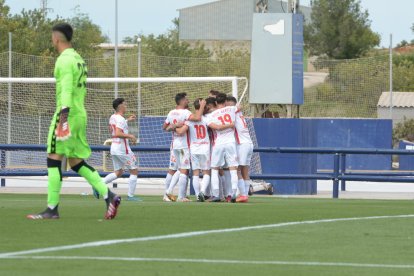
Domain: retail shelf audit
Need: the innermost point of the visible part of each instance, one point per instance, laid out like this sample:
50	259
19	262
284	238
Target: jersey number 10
200	131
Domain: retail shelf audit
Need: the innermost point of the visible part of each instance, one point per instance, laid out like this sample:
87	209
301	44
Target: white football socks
227	178
215	186
174	181
109	178
168	181
234	181
196	184
182	186
205	185
241	186
132	184
247	186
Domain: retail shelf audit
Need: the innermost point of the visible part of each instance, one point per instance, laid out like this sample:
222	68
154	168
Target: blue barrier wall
288	133
406	161
344	133
355	133
147	134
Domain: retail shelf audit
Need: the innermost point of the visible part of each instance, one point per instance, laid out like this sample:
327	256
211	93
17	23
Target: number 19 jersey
223	116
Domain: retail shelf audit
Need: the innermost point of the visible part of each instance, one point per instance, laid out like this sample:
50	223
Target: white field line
209	261
190	234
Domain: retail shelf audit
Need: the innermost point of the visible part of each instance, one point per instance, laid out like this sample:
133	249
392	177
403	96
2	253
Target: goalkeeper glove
63	131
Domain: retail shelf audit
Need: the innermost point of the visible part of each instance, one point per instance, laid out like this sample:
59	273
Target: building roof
110	46
399	99
205	4
226	20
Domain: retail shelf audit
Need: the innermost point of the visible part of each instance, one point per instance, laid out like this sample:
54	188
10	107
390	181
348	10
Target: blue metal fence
339	175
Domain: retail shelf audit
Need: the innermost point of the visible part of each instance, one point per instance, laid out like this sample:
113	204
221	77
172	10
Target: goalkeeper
67	133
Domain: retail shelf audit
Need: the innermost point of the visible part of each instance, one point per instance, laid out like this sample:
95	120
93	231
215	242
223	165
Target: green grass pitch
376	246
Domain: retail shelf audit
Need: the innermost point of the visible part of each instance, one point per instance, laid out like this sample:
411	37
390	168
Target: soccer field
267	236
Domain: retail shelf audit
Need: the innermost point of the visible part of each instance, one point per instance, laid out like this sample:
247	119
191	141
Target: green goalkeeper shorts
74	147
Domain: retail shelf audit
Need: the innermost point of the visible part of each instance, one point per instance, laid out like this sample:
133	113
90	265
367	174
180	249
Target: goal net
27	105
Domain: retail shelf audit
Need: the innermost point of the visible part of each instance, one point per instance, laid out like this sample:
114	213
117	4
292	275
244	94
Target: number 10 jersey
199	140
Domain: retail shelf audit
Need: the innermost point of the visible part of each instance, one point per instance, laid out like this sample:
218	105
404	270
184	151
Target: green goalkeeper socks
54	182
92	176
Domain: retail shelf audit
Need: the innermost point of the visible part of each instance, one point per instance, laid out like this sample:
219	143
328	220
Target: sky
146	17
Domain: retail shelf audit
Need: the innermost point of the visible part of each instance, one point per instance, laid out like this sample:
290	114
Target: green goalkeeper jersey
70	74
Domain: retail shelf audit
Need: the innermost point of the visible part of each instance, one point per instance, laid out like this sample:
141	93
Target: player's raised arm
131	118
232	101
196	117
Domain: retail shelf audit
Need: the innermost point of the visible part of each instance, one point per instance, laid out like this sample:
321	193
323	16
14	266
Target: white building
227	23
402	106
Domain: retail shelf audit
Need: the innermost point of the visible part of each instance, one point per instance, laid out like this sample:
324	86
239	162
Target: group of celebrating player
214	140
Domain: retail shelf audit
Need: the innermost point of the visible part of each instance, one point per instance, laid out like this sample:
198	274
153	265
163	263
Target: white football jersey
177	116
223	116
242	130
199	140
119	146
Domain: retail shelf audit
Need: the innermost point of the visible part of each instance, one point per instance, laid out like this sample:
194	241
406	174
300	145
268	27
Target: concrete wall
398	113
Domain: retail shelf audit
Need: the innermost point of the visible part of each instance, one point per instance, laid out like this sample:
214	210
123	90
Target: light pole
139	86
116	49
391	88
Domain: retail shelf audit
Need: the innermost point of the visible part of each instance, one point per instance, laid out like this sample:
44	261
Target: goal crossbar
232	79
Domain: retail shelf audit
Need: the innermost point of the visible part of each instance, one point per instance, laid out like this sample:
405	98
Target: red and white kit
122	155
243	139
199	145
224	144
180	143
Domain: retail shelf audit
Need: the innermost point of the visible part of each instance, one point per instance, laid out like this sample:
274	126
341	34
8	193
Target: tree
403	72
339	29
169	44
402	43
32	32
403	131
173	56
87	35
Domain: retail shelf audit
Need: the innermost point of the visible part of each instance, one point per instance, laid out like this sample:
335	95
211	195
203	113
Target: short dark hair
221	98
211	100
214	92
231	99
179	97
65	29
117	102
197	103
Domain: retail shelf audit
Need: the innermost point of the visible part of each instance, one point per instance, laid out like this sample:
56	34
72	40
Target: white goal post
136	80
27	106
